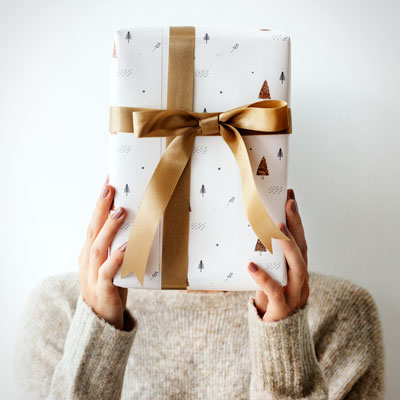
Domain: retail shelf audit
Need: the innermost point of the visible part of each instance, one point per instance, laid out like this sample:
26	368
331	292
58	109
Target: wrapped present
198	155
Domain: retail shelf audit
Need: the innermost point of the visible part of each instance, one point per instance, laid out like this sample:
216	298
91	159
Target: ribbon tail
154	201
258	217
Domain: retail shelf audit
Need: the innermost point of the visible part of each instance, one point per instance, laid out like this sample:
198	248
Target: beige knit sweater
201	346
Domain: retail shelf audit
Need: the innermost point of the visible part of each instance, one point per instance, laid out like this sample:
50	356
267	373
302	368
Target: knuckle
300	274
95	252
264	279
276	292
103	273
117	256
90	233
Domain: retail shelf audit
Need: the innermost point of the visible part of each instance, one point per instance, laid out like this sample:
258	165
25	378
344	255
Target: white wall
344	167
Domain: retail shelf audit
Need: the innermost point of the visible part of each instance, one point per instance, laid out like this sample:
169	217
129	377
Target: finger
261	301
100	214
295	224
110	267
296	267
93	228
277	306
99	249
305	291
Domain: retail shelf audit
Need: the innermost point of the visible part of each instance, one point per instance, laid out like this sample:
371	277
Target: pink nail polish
285	230
123	247
253	267
105	191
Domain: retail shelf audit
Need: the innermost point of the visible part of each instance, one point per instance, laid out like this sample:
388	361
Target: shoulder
344	317
51	303
340	294
58	290
43	326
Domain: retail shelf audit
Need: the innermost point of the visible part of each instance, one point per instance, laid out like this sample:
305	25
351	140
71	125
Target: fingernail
253	267
294	206
291	194
117	213
123	247
105	191
285	230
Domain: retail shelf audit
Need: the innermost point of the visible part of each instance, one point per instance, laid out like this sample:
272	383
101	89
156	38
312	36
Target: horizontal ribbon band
263	117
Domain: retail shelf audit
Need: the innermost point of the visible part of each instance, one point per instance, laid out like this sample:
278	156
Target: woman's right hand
96	271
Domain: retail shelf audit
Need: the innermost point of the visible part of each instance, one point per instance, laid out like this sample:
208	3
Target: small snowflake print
280	37
273	265
157	46
200	149
154	275
124	72
201	73
198	226
276	189
125	226
124	148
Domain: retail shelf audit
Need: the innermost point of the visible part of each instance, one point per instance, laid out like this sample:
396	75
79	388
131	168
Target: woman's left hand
274	301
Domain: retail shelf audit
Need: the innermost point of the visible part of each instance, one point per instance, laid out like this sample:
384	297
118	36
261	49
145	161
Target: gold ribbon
263	117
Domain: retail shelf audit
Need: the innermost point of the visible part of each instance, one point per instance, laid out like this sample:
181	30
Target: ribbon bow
263	117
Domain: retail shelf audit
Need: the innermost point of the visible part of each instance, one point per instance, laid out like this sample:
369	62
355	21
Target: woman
81	337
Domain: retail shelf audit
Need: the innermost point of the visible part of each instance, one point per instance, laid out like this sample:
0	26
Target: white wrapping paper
232	68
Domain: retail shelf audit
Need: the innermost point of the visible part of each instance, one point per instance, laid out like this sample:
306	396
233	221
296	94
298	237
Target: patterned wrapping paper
233	67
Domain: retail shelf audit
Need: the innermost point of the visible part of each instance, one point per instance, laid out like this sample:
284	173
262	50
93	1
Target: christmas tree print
280	154
128	36
282	77
260	246
202	190
206	37
114	51
264	92
262	168
201	266
126	190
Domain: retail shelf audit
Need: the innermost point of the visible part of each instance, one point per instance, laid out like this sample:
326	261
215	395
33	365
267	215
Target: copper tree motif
262	168
264	92
260	246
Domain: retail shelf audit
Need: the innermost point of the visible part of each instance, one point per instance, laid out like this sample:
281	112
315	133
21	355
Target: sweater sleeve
345	360
283	360
66	351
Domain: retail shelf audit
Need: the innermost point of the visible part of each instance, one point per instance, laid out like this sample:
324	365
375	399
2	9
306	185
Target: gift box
198	154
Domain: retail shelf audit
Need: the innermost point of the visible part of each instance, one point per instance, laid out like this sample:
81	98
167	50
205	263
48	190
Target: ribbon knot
209	125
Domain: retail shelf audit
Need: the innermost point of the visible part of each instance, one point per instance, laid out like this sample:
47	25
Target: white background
344	166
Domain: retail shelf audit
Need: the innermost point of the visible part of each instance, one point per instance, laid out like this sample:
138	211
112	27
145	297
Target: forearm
94	359
283	358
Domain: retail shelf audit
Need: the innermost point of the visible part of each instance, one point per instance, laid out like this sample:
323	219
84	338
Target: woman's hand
273	301
96	272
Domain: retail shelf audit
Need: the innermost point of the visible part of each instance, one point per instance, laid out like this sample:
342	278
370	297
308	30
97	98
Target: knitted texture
196	345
